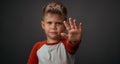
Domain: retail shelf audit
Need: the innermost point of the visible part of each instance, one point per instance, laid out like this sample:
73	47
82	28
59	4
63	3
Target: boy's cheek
63	29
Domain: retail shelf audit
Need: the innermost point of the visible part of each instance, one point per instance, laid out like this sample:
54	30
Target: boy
59	48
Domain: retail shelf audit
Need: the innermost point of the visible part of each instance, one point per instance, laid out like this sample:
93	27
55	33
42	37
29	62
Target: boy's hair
55	8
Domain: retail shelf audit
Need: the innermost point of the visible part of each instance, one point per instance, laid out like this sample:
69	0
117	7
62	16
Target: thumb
64	35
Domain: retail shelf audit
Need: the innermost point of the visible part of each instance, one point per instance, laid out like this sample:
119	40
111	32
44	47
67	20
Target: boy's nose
53	26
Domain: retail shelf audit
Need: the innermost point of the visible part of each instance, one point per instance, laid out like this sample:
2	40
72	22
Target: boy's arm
33	56
74	35
70	47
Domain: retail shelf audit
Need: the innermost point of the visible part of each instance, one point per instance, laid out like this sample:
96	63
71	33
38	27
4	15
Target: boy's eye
49	22
59	23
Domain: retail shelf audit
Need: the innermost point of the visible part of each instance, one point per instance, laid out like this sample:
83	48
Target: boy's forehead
50	16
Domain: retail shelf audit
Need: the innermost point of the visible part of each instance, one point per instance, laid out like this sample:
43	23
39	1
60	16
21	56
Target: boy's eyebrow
58	21
48	21
55	21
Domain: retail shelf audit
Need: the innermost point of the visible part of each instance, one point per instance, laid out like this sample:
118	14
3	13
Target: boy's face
53	25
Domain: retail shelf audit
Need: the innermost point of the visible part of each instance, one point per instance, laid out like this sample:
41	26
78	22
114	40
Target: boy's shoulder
38	44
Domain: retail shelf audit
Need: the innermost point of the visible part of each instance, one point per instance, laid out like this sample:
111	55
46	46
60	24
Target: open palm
74	31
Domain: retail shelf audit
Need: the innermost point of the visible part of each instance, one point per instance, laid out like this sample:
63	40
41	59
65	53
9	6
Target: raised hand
74	32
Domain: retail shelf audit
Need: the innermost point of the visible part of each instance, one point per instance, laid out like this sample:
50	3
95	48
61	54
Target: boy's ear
42	24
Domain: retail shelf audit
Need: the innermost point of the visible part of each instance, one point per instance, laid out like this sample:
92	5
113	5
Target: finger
80	26
75	24
64	35
71	23
66	25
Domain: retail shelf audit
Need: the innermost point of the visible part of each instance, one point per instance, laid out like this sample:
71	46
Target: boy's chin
55	37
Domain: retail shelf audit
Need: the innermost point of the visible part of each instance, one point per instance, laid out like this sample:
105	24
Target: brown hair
55	8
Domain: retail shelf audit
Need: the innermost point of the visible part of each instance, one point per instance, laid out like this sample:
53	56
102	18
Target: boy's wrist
75	42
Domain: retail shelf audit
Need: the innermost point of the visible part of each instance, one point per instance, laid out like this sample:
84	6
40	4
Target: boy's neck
52	40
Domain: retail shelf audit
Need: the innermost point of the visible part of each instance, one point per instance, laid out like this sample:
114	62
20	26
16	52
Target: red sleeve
33	59
71	48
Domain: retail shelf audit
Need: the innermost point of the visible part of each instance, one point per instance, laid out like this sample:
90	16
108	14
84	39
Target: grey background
20	23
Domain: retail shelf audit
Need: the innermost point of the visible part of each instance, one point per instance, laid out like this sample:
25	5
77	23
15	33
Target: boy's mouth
54	32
